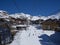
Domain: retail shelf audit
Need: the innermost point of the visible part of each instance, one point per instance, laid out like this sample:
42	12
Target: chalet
18	21
17	24
21	23
51	24
12	20
38	21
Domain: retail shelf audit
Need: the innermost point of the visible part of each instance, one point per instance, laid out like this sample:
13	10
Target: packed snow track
33	36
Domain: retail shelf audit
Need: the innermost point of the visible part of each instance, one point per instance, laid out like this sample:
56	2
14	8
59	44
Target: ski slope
31	36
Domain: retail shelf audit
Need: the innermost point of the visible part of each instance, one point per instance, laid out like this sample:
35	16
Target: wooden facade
37	21
17	21
50	24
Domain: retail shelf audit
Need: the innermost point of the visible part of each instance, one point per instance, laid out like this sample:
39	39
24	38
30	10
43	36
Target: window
49	27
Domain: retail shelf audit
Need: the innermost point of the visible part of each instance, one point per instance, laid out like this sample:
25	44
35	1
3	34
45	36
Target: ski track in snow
30	37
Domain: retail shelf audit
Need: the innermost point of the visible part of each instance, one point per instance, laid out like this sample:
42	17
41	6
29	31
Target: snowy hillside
3	14
56	16
35	18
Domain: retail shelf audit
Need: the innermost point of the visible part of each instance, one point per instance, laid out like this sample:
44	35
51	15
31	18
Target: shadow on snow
53	39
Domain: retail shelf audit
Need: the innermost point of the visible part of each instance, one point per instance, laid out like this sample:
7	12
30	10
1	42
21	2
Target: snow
26	38
4	16
49	32
20	15
43	17
2	11
13	26
31	36
54	16
28	16
21	25
35	18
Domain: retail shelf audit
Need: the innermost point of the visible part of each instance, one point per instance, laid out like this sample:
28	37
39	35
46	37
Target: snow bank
31	37
26	38
47	32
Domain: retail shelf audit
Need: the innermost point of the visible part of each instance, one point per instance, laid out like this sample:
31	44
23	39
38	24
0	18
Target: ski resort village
25	29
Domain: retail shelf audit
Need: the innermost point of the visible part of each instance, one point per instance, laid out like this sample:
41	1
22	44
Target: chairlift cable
17	7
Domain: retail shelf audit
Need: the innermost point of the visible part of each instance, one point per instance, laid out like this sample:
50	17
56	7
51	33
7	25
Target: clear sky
33	7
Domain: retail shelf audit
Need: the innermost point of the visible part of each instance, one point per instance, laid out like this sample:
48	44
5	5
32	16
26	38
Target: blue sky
33	7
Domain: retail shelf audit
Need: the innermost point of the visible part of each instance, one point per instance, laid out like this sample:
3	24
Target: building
5	34
17	24
51	24
38	21
18	21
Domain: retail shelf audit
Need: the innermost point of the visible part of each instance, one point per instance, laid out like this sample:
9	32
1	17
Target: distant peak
2	11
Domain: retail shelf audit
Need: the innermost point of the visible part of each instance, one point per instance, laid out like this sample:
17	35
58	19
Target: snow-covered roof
14	26
35	18
21	25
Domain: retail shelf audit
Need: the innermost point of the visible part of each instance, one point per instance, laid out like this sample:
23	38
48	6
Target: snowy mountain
22	15
56	16
4	14
30	17
35	18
